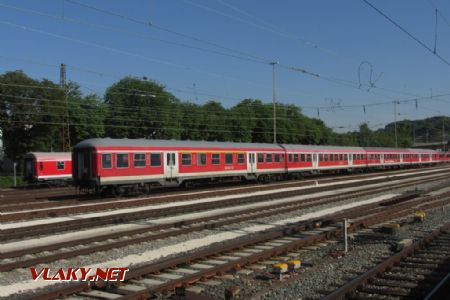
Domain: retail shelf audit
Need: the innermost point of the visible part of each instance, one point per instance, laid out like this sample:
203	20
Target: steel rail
154	268
8	234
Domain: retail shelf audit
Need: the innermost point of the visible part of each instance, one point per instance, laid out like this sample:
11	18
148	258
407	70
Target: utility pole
66	122
395	121
443	133
274	103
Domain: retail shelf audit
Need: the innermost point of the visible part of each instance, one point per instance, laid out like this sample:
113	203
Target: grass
8	181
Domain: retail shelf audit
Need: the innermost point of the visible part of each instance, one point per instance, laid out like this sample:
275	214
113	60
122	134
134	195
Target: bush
8	181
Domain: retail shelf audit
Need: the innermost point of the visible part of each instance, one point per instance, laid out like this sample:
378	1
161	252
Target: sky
340	61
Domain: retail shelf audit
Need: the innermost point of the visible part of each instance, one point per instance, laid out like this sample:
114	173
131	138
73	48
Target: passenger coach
137	165
118	163
48	167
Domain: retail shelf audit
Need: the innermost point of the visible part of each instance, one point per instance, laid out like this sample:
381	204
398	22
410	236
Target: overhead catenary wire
407	32
133	33
143	93
250	57
181	128
263	60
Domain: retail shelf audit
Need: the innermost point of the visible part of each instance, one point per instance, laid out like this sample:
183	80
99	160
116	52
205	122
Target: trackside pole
345	236
15	180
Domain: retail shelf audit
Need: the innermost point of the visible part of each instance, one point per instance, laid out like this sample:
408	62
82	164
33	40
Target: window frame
128	160
228	155
261	158
277	158
241	155
183	159
110	161
212	159
134	160
199	159
63	165
150	160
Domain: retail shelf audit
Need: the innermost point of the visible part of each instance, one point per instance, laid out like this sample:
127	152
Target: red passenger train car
48	167
121	164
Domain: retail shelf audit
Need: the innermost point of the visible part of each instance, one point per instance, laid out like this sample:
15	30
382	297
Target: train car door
84	171
171	165
315	161
350	159
251	166
29	168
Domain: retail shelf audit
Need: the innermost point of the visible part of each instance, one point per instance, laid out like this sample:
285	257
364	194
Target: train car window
215	159
229	158
106	161
336	157
277	157
345	157
308	157
241	158
122	160
260	157
282	157
320	157
41	166
155	159
341	157
186	159
325	157
296	157
139	160
290	157
201	159
60	165
302	157
269	157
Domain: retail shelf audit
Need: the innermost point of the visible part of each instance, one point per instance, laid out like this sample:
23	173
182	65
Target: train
50	168
125	165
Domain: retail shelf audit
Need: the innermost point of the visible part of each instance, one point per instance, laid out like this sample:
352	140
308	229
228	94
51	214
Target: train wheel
118	191
146	189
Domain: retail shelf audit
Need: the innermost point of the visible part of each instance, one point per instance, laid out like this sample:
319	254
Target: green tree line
33	112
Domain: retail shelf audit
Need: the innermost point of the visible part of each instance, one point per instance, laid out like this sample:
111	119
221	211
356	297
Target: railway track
18	197
148	280
50	203
135	236
233	201
291	187
420	271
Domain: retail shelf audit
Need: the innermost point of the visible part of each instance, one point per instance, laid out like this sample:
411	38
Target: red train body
112	163
48	167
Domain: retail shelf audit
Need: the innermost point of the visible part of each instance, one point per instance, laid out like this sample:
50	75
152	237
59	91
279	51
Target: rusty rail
141	271
351	286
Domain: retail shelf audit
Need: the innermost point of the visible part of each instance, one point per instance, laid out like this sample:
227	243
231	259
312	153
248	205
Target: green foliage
32	113
141	109
28	115
8	181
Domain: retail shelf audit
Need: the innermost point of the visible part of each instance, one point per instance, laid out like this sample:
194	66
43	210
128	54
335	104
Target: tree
86	114
141	109
31	114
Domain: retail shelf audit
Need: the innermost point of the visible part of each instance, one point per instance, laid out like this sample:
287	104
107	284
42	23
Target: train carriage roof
407	150
49	156
108	142
319	147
